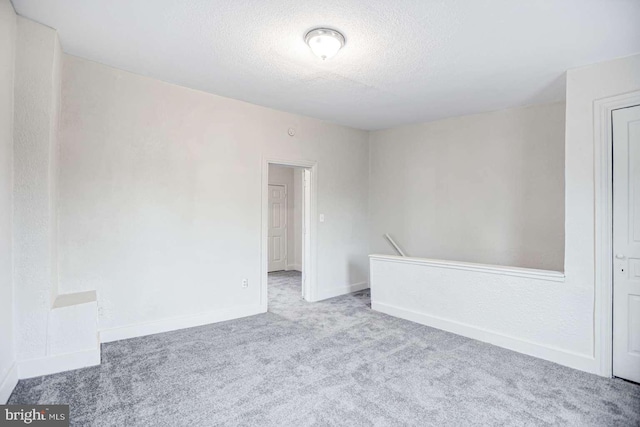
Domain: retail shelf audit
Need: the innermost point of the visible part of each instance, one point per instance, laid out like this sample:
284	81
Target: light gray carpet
330	363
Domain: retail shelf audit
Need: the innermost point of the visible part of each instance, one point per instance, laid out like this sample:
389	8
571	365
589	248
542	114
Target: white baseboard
175	323
58	363
552	354
340	290
296	267
9	382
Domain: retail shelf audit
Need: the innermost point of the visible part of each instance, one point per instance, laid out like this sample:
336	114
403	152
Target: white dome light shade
324	42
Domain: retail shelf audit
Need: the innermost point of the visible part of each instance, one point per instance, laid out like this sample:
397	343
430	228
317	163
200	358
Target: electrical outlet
245	283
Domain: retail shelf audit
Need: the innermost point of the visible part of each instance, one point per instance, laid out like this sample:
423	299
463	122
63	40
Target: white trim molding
560	356
58	363
529	273
603	150
9	382
176	323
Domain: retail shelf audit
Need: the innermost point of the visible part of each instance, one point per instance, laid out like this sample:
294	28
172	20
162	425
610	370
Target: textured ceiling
405	61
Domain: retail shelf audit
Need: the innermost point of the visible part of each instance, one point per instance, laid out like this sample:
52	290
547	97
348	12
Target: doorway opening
288	233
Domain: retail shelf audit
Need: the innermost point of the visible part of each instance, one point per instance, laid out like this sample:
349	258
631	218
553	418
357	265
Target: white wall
37	96
8	375
160	196
288	176
584	86
486	188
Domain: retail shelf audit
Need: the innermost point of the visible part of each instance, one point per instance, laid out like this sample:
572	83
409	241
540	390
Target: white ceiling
405	61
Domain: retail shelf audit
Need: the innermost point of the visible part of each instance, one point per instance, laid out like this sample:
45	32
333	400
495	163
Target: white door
626	243
277	228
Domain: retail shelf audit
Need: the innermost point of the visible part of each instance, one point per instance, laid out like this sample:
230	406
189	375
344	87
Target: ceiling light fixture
324	42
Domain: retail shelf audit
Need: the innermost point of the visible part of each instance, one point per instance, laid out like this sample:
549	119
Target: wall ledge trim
562	357
76	298
530	273
9	382
176	323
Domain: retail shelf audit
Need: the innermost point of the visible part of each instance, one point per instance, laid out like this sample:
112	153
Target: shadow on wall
356	272
554	89
486	188
541	196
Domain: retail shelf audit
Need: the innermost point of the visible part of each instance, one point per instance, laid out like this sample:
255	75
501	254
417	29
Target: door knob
620	256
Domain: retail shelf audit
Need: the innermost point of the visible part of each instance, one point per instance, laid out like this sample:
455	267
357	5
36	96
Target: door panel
277	228
626	243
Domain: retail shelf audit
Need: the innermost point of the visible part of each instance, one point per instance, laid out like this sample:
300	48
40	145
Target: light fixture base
324	42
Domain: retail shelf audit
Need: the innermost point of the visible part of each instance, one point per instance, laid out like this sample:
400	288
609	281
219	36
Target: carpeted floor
330	363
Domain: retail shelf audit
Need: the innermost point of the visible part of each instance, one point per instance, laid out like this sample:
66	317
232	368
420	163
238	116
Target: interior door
626	243
277	228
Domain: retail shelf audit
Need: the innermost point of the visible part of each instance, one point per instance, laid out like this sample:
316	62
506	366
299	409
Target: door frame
286	226
603	153
309	258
